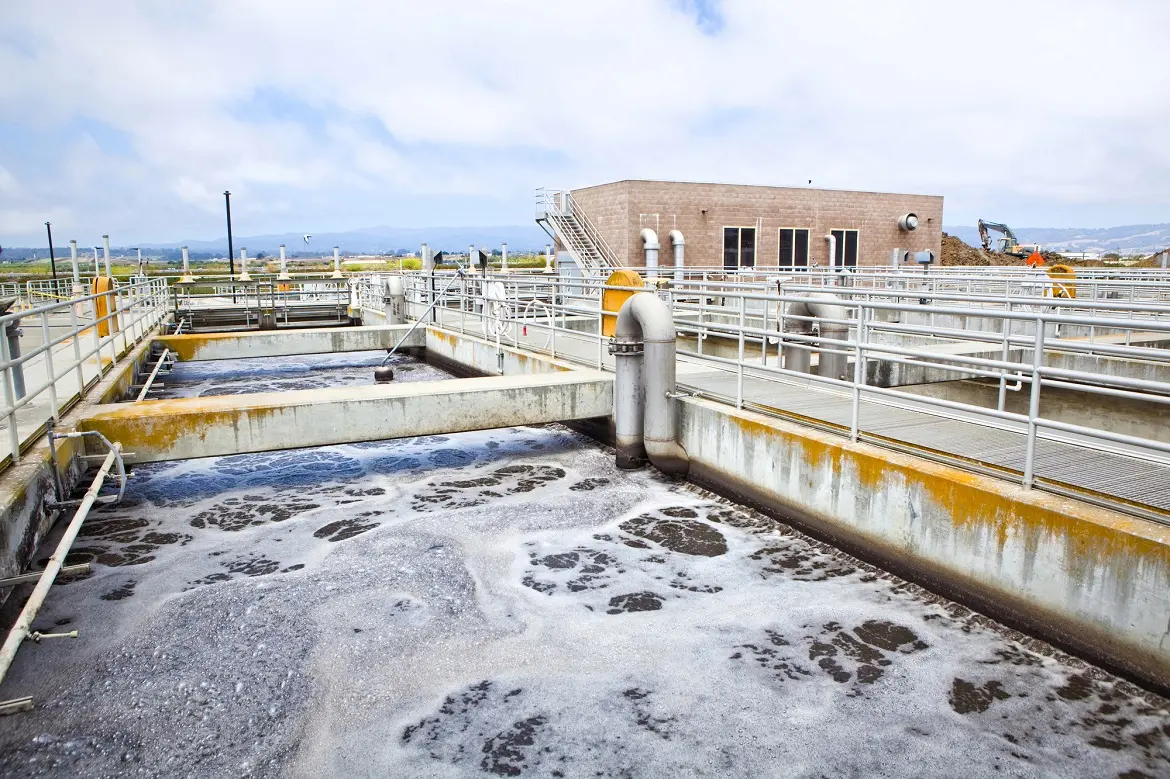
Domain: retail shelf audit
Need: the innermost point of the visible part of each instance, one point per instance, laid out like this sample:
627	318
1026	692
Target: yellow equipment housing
613	299
105	305
1062	282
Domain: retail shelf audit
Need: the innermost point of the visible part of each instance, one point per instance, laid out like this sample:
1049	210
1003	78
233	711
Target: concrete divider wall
183	428
284	343
1092	580
23	522
468	354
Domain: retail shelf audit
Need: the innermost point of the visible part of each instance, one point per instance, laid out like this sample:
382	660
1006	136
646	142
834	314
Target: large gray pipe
821	306
394	300
644	413
679	246
650	247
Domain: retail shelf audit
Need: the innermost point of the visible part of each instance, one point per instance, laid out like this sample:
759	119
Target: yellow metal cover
104	305
612	299
1063	286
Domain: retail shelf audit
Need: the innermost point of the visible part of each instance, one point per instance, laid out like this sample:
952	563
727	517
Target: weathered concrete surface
23	487
469	353
185	428
1087	578
323	340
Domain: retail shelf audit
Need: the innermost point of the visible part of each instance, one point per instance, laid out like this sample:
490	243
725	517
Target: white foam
466	629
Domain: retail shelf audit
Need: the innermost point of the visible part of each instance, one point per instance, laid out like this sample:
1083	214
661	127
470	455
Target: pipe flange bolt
625	348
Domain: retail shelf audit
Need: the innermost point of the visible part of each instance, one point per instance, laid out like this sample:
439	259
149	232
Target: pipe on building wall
679	245
644	412
832	242
650	248
821	306
394	300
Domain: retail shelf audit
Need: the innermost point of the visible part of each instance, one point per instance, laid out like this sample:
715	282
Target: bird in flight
307	237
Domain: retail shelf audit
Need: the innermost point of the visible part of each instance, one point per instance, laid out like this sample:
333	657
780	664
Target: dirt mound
957	252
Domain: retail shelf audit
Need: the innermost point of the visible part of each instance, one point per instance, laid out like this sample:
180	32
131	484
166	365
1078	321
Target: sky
132	117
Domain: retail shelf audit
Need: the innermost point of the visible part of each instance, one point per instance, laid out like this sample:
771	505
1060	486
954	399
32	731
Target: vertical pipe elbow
647	319
650	249
676	240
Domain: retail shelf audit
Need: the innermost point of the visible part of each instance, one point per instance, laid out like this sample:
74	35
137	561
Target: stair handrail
592	232
558	208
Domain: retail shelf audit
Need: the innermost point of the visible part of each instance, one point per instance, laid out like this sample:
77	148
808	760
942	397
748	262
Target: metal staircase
560	217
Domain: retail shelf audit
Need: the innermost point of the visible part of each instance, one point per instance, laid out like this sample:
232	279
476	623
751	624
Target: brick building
734	225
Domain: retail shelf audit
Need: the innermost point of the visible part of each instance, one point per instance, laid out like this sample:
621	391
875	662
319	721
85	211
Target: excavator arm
985	239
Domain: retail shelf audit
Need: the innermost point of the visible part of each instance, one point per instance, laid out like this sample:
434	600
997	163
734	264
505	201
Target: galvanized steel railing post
1007	329
1034	406
600	325
739	365
10	400
74	326
553	319
48	341
858	372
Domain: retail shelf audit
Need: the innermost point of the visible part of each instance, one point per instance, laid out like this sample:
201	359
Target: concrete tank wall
1089	579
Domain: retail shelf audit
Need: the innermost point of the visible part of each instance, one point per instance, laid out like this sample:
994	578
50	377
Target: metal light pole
52	257
227	203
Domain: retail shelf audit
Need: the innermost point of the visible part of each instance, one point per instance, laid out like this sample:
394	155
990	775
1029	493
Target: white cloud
1035	105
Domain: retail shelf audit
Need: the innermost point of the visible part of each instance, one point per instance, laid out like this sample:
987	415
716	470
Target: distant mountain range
382	239
1126	240
372	240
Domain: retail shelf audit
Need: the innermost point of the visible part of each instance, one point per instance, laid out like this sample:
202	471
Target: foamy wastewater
276	374
507	603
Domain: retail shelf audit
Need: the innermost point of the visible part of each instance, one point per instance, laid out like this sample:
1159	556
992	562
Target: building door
793	248
739	247
846	250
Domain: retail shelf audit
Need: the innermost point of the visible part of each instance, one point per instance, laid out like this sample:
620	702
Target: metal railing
51	355
213	299
1026	346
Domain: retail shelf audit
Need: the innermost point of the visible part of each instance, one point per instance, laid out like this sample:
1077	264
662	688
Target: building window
739	247
793	248
846	252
